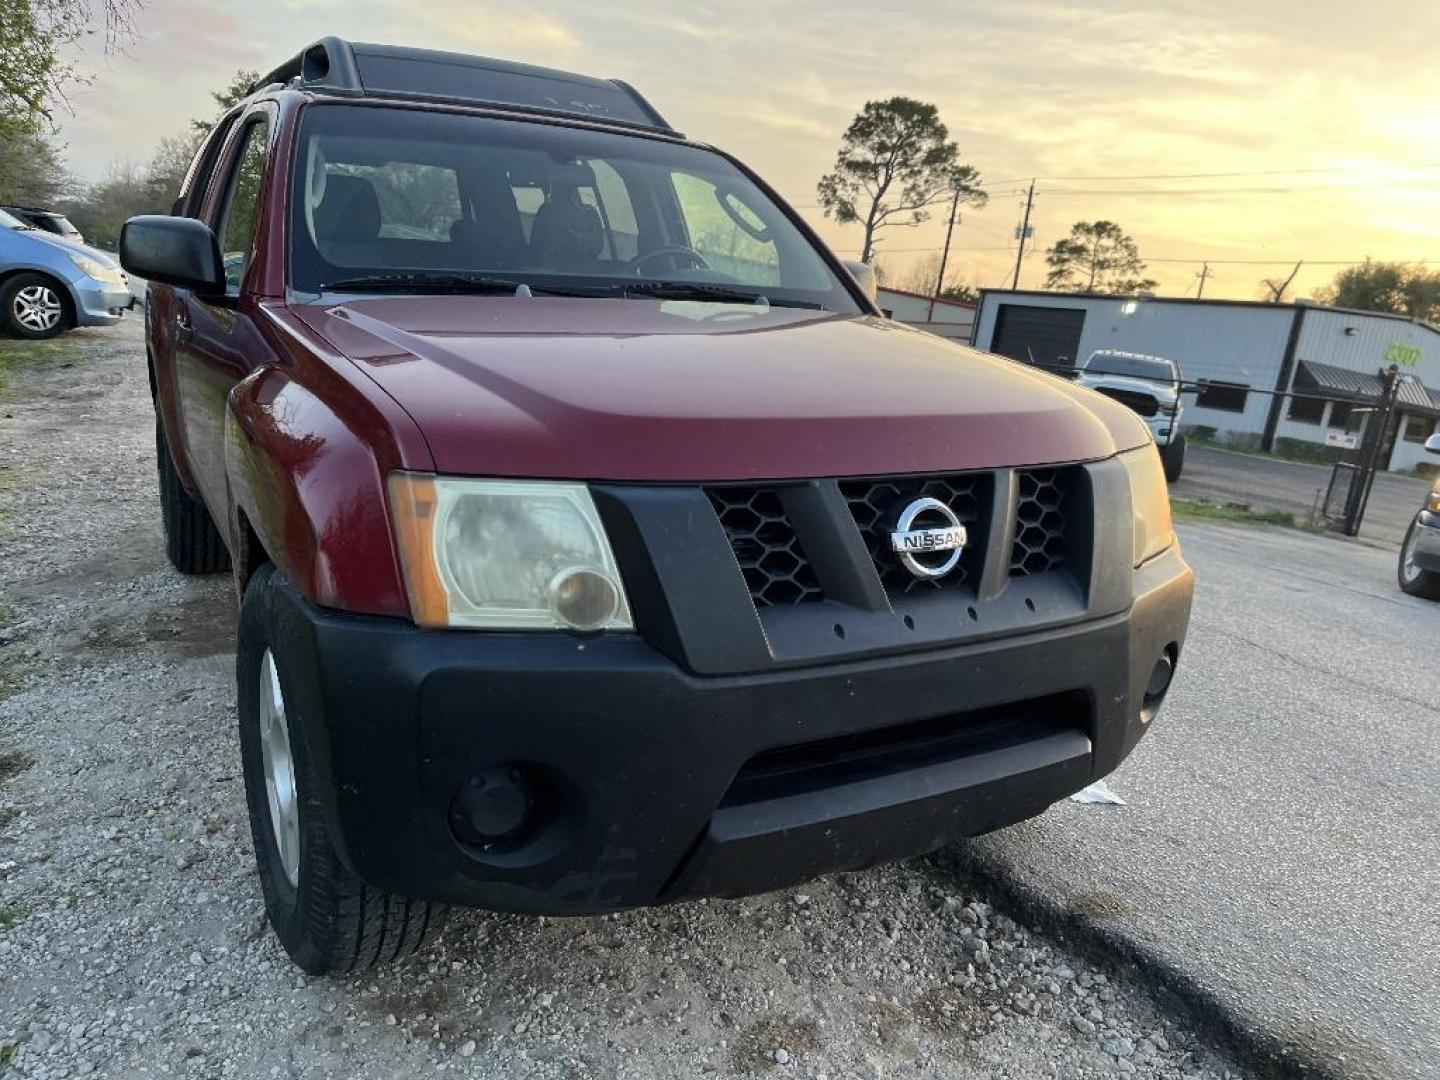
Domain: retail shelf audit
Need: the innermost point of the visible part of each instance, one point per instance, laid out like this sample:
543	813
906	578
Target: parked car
600	543
1149	386
48	220
48	284
1420	553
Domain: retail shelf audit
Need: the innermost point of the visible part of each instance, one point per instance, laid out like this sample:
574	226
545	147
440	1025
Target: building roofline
1289	305
937	299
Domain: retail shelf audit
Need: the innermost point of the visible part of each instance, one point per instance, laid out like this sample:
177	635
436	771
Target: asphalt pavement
1223	476
1279	858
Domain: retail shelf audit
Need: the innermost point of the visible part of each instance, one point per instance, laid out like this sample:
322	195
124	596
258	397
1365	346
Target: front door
216	343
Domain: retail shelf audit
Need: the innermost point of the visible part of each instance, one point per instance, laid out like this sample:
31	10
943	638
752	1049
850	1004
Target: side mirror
174	250
864	275
1433	443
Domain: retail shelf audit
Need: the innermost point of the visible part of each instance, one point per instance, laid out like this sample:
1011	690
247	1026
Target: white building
948	318
1271	375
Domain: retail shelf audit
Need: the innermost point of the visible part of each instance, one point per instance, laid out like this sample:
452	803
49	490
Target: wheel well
250	553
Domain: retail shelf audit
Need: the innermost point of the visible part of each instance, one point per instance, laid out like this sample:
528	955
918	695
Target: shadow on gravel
1086	922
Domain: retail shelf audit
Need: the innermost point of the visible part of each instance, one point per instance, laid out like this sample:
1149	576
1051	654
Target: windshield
9	221
1132	365
406	198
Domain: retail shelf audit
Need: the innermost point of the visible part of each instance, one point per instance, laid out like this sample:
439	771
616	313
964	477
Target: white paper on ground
1098	792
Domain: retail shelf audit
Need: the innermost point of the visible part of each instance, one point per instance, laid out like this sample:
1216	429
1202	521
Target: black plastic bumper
650	784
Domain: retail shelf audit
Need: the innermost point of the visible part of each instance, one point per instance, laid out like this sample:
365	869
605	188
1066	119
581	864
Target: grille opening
1134	400
1044	500
776	569
875	504
825	763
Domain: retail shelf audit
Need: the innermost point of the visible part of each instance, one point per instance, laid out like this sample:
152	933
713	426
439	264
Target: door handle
182	321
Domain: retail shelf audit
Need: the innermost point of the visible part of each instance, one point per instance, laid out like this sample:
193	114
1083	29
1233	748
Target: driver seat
566	235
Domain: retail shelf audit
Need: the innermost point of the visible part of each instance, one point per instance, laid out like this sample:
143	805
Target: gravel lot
132	940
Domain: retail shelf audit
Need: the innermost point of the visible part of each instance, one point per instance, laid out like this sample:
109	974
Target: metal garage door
1038	335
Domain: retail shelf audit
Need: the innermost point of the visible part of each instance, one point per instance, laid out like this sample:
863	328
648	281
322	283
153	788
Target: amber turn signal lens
413	504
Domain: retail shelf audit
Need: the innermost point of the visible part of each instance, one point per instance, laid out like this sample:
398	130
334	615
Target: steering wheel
673	252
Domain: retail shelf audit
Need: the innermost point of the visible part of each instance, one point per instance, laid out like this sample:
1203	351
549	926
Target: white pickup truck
1148	385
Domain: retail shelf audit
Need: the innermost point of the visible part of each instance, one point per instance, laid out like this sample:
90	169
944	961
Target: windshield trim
845	281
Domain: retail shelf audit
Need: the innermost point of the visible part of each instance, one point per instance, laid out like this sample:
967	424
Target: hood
645	389
64	243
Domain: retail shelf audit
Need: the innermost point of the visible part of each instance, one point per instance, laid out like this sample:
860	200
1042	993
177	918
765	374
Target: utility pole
1022	234
1204	273
944	254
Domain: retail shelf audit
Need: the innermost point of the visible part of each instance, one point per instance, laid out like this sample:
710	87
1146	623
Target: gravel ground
132	938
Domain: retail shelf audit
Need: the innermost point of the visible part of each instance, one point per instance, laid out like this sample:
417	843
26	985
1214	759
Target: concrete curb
1263	1053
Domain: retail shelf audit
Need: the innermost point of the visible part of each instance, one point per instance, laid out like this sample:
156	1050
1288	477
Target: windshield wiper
445	283
715	294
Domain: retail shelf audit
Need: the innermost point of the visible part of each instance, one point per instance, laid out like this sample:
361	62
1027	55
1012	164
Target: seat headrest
349	212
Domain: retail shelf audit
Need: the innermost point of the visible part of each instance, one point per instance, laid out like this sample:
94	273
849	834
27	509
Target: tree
1398	288
235	91
31	170
1096	257
923	275
36	37
895	160
1272	290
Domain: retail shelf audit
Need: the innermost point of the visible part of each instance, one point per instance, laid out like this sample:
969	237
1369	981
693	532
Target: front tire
192	542
327	919
1172	457
1413	579
34	306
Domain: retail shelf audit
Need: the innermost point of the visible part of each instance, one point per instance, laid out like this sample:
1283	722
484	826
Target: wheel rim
37	307
279	766
1409	568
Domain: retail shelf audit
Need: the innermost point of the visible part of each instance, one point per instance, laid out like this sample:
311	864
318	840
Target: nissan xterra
599	543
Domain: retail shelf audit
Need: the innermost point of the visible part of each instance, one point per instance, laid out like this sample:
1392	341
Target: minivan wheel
1172	458
192	542
34	306
327	919
1413	579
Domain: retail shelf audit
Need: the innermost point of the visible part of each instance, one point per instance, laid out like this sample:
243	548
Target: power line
1218	175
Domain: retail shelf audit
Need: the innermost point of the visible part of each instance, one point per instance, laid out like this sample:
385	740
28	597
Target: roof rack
335	66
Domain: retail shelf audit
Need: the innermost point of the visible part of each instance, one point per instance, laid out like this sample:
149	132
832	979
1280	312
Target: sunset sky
1328	110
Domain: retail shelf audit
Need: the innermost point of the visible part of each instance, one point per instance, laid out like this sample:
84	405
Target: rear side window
237	234
416	201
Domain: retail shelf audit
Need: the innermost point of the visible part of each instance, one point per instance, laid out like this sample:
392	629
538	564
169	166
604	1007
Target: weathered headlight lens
505	554
1149	502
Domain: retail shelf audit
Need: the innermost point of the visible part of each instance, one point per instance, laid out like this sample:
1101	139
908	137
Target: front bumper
1427	542
101	303
653	784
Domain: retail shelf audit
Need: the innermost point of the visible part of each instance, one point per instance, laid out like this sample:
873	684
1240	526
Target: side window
614	199
237	231
726	232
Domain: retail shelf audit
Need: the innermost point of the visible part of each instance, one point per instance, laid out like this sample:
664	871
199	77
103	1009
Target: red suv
600	544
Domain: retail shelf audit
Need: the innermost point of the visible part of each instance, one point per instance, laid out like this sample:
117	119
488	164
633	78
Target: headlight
93	268
1433	502
1149	501
505	554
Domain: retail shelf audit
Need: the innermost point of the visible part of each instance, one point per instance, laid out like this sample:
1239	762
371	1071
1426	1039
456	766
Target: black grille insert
875	504
1134	400
765	545
1040	522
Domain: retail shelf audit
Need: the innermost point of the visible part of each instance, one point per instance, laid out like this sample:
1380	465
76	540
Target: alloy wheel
279	766
38	308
